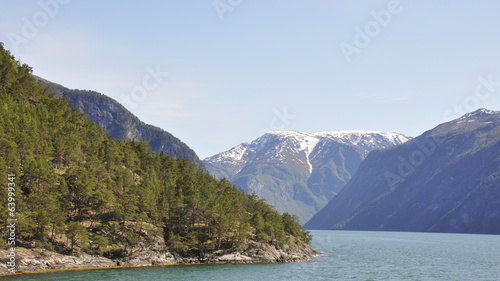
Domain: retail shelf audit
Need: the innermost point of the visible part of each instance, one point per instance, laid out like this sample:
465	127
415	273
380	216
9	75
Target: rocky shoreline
40	260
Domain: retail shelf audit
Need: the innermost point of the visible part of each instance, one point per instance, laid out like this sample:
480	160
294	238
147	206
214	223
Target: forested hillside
74	181
299	172
120	123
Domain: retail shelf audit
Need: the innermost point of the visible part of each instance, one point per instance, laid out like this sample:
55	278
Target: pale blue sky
232	77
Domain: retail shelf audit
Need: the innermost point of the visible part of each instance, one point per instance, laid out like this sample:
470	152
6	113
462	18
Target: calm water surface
349	256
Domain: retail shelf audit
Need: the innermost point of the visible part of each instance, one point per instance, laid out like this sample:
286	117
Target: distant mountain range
121	123
446	180
298	172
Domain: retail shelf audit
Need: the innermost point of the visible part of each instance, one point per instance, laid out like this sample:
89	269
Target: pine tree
77	234
69	171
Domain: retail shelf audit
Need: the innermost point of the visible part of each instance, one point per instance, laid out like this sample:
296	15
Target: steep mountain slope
71	188
298	172
121	123
446	180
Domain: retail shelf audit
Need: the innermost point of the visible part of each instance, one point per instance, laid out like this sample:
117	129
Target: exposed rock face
298	172
120	123
39	259
30	260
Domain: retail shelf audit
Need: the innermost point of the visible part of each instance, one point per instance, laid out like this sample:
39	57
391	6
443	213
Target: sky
216	73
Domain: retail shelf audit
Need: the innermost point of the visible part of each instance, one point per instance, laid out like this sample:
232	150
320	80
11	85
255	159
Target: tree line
71	173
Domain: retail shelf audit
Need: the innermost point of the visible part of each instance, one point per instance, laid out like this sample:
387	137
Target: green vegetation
121	123
286	188
75	181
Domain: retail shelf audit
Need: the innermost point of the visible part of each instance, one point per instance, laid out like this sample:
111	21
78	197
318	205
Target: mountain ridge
237	153
76	191
446	180
120	123
298	172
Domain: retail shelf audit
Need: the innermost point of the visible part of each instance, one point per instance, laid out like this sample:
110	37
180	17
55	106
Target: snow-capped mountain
298	172
445	180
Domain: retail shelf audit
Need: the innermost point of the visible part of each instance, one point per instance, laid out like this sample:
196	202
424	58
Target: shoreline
48	271
40	261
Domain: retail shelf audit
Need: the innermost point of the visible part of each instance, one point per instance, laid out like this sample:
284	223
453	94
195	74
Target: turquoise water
349	256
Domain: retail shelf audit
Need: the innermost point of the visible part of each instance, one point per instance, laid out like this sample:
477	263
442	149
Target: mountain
446	180
73	189
120	123
298	172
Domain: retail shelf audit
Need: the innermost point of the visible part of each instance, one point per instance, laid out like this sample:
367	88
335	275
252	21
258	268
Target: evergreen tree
69	172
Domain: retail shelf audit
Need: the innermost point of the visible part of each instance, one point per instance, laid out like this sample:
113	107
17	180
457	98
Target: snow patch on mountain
478	113
308	146
277	145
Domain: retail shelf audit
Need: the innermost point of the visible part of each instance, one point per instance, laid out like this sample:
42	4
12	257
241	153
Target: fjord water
349	255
